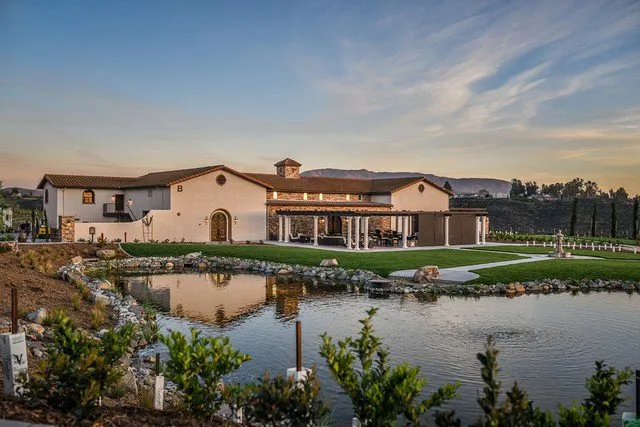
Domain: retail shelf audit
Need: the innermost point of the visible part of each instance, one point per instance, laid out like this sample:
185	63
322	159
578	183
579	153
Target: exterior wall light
206	220
235	220
130	202
113	198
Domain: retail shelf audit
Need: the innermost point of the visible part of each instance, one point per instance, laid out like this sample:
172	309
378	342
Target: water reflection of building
222	298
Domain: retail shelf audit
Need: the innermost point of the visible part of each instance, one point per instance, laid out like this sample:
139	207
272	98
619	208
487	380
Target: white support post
326	225
483	230
477	230
405	230
446	230
158	398
348	232
287	229
315	231
357	233
365	244
280	228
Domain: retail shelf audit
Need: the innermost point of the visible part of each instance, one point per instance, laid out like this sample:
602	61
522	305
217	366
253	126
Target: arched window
88	198
46	195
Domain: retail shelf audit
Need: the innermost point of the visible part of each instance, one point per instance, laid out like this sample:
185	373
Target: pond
548	343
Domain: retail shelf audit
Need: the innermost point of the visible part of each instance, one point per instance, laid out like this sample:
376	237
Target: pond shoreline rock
362	279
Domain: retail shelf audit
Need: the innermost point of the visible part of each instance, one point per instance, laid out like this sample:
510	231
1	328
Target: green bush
605	396
280	401
78	368
379	393
197	368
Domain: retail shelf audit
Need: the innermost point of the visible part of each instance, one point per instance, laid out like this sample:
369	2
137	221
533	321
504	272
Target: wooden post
14	310
298	346
638	394
125	237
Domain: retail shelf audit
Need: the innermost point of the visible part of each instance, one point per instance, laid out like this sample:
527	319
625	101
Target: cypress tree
613	220
635	218
574	218
593	219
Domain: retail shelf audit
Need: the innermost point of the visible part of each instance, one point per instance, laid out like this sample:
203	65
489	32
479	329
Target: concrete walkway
464	273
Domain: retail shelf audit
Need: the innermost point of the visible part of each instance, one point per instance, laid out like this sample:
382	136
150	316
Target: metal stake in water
638	394
298	345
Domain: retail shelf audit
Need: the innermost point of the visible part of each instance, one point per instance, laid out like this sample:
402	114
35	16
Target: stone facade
304	224
317	196
67	228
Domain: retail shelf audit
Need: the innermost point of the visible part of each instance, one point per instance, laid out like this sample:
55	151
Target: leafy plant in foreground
605	396
276	401
78	368
378	392
197	368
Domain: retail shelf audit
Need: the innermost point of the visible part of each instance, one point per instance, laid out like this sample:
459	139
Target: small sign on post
13	350
158	398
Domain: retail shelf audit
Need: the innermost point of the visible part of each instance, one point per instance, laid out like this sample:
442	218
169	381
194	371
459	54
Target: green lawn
542	250
382	263
561	269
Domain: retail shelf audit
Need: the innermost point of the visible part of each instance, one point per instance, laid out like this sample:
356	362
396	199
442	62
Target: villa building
220	204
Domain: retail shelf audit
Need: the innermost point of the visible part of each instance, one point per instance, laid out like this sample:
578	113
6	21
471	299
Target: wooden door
219	227
119	202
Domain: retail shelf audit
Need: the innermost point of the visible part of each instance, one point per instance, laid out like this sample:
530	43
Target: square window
150	192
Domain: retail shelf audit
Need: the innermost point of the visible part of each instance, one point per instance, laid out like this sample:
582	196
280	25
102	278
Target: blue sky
544	90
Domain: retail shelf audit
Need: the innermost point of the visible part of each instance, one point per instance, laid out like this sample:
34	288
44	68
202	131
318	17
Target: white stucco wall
160	199
410	199
52	207
69	201
199	198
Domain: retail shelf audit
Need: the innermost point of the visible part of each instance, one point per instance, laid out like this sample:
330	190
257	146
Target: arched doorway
335	225
220	229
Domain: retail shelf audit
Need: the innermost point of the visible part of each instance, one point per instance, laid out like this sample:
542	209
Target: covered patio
412	228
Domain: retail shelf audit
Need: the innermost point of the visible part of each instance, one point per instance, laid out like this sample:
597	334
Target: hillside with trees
576	207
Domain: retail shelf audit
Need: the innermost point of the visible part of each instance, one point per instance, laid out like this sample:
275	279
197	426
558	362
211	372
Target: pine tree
635	218
593	219
447	186
574	218
614	225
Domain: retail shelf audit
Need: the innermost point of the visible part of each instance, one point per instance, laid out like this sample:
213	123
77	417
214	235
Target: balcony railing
116	211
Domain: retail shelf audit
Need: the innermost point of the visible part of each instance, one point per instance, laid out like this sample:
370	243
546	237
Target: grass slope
576	269
542	250
382	263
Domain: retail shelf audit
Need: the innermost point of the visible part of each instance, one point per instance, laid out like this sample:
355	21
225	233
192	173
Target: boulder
101	299
34	329
37	316
76	260
105	285
329	262
520	288
106	254
426	274
168	265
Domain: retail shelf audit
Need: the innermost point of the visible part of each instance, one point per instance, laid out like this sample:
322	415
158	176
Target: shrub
78	368
55	317
282	401
98	316
605	396
379	393
197	368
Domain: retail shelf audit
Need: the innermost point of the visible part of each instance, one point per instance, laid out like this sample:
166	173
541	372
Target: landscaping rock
76	260
329	262
101	299
37	316
106	254
426	274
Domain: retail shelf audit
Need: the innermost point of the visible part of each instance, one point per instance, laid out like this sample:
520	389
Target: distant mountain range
25	192
460	185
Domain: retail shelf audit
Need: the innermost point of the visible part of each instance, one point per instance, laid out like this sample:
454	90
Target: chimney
288	168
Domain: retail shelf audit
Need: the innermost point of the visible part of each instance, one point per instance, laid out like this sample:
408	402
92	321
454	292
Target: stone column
280	228
405	230
348	232
357	233
477	230
366	233
287	229
315	231
446	230
483	229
